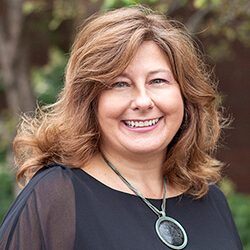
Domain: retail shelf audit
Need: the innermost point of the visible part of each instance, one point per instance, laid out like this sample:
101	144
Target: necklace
169	230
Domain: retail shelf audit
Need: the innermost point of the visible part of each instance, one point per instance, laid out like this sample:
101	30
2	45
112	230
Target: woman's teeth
141	124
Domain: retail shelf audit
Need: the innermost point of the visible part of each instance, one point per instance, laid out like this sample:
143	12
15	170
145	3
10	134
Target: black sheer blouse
63	209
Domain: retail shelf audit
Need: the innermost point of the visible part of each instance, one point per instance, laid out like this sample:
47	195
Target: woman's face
143	109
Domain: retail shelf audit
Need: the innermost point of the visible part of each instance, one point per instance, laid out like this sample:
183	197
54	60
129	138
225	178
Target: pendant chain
152	207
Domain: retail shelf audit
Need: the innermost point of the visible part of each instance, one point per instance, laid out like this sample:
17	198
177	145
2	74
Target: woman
124	158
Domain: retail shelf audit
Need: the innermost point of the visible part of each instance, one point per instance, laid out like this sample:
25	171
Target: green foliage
7	125
240	207
1	84
110	4
63	10
218	22
6	192
48	80
205	3
30	7
225	23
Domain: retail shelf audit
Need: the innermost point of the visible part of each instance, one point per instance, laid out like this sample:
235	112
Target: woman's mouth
141	123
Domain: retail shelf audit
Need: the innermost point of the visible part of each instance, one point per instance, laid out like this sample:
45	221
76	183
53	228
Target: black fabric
63	208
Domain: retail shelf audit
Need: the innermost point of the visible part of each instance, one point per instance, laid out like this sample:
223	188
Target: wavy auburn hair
67	132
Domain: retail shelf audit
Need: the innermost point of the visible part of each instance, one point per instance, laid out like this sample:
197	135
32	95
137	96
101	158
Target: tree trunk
14	60
24	89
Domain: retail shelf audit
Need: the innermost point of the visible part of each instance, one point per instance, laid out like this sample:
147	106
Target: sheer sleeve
43	215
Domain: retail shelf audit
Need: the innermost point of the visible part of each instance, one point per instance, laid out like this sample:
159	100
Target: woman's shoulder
50	178
217	199
55	172
46	196
215	193
220	206
214	189
52	184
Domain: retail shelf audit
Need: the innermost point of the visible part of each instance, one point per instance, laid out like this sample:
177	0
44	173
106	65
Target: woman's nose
142	100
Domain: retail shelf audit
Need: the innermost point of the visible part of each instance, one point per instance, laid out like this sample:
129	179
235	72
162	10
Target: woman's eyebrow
125	74
159	71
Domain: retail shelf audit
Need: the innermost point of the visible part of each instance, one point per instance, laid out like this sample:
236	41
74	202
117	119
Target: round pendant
171	232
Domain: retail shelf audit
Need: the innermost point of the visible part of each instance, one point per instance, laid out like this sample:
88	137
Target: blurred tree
13	60
219	22
27	31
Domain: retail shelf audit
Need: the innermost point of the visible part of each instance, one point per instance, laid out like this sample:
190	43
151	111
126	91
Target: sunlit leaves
63	10
205	3
33	6
110	4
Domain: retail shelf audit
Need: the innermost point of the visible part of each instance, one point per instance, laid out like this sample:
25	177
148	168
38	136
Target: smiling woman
125	158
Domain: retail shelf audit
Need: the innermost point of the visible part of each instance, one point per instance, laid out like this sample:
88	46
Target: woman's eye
158	81
119	85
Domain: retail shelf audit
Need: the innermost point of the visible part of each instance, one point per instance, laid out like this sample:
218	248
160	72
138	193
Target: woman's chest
119	223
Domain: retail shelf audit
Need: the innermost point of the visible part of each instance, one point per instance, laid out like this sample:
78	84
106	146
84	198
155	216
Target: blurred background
35	40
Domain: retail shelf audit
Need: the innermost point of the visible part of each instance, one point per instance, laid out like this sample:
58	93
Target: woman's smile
140	123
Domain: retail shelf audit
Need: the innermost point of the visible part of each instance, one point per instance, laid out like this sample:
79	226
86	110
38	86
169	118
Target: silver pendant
171	232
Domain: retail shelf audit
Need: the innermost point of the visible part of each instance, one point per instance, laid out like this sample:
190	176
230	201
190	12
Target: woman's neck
143	172
143	169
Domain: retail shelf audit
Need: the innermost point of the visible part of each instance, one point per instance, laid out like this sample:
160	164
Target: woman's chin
145	150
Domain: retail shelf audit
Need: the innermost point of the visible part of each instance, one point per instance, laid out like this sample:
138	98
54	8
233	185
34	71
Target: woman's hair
67	132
